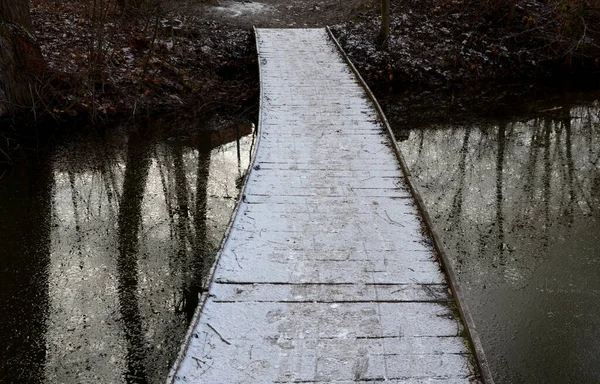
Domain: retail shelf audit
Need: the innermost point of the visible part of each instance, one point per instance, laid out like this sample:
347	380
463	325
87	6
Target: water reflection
518	209
24	280
105	245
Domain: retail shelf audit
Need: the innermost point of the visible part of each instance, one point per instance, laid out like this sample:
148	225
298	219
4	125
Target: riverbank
199	58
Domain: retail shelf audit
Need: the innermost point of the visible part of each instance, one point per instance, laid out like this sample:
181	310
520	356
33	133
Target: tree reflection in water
517	205
119	235
129	225
25	242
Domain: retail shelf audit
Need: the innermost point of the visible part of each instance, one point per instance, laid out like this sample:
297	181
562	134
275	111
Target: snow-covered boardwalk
325	275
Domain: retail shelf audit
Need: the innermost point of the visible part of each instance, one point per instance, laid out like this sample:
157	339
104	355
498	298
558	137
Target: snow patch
243	8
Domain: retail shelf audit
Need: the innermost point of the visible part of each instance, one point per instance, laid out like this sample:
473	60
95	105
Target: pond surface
105	244
517	206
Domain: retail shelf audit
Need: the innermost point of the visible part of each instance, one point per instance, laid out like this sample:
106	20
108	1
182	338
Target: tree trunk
511	10
131	6
20	56
384	33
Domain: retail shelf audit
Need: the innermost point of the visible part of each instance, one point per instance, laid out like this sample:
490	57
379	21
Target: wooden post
384	33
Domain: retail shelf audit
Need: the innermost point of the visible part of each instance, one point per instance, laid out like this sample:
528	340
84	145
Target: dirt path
285	14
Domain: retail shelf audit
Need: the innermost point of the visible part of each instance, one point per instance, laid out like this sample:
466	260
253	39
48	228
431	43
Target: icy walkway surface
325	276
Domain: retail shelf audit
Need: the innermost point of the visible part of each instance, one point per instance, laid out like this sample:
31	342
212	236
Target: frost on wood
326	275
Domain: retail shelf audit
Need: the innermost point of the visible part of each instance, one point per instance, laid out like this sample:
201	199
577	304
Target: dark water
517	205
104	245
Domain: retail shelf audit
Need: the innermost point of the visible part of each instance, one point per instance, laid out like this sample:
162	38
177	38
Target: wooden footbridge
327	273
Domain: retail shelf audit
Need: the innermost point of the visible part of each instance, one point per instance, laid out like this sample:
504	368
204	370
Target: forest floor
199	58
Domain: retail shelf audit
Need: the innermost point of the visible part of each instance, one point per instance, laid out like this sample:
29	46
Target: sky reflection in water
517	205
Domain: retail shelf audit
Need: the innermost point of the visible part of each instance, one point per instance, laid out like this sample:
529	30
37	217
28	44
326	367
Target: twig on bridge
218	334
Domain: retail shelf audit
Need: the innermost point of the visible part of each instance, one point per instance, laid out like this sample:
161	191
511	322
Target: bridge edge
469	323
172	377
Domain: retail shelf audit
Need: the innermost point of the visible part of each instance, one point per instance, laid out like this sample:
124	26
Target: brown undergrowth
198	57
453	43
162	58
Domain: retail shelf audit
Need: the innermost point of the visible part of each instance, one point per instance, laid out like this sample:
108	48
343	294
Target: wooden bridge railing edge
172	377
469	324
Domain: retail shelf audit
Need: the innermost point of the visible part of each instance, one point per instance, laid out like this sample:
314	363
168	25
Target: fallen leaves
117	65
